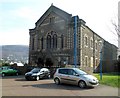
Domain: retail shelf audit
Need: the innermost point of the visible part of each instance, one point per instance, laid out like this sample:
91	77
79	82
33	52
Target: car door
5	70
11	71
42	73
46	72
63	75
14	71
72	77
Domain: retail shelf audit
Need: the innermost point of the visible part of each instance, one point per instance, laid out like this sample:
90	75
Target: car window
71	72
63	71
80	72
35	70
4	68
11	68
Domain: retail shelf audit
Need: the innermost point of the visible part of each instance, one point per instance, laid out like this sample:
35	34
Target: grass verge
109	79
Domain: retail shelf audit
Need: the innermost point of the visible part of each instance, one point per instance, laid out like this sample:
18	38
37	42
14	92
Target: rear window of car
63	71
35	70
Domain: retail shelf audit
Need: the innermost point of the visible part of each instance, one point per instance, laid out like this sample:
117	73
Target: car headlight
92	80
89	79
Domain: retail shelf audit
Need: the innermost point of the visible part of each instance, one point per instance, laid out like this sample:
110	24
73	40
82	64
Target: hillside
14	52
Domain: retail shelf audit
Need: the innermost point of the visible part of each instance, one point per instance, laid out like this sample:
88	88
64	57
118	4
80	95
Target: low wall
23	69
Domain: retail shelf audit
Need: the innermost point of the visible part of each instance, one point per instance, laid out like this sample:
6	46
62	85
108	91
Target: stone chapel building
52	41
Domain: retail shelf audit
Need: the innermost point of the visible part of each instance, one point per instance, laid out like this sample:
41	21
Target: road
18	86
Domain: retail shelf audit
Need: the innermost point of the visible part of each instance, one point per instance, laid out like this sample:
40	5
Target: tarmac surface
18	86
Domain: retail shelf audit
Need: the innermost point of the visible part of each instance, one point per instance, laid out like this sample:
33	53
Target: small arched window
91	43
96	45
42	43
33	40
62	41
86	41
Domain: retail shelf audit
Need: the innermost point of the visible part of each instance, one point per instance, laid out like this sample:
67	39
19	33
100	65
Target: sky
18	16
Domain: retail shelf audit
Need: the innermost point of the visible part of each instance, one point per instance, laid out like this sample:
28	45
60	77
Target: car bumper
92	84
30	77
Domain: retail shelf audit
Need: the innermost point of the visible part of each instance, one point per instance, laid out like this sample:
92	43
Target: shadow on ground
62	86
49	85
13	76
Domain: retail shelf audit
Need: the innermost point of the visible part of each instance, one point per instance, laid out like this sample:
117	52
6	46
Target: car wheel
37	78
27	79
82	84
48	76
3	74
57	81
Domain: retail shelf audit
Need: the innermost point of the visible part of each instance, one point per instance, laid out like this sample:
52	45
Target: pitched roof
56	10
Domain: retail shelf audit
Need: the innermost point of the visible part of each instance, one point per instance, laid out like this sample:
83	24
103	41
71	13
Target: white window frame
85	42
96	48
91	62
91	43
86	62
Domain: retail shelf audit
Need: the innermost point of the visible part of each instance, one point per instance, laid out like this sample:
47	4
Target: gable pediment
53	11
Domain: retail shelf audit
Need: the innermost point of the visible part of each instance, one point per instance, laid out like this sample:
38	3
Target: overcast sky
18	16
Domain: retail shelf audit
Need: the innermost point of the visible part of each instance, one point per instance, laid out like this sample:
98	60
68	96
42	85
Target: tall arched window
42	43
55	41
48	42
62	41
33	40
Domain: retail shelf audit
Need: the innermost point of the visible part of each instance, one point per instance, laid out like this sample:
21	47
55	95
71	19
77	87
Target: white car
75	76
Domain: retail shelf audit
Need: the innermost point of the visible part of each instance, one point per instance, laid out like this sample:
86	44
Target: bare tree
116	26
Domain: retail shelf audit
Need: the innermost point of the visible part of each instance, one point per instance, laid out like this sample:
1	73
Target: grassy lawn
109	79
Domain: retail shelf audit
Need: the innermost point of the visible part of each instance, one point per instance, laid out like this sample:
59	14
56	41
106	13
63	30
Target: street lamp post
101	60
101	64
75	41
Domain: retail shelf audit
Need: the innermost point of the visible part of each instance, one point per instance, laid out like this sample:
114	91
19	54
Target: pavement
18	86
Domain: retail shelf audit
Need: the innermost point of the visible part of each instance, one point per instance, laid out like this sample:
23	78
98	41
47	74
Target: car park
75	76
6	70
37	73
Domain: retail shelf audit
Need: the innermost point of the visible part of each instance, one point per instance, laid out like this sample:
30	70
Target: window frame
86	40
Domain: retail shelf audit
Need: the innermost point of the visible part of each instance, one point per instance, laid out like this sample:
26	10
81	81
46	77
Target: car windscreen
35	70
80	72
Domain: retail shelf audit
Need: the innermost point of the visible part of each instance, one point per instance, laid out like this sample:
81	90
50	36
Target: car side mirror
76	74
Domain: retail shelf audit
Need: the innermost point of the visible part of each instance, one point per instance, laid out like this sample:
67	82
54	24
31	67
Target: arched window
86	60
33	40
48	42
91	43
62	41
42	43
96	45
86	41
54	41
